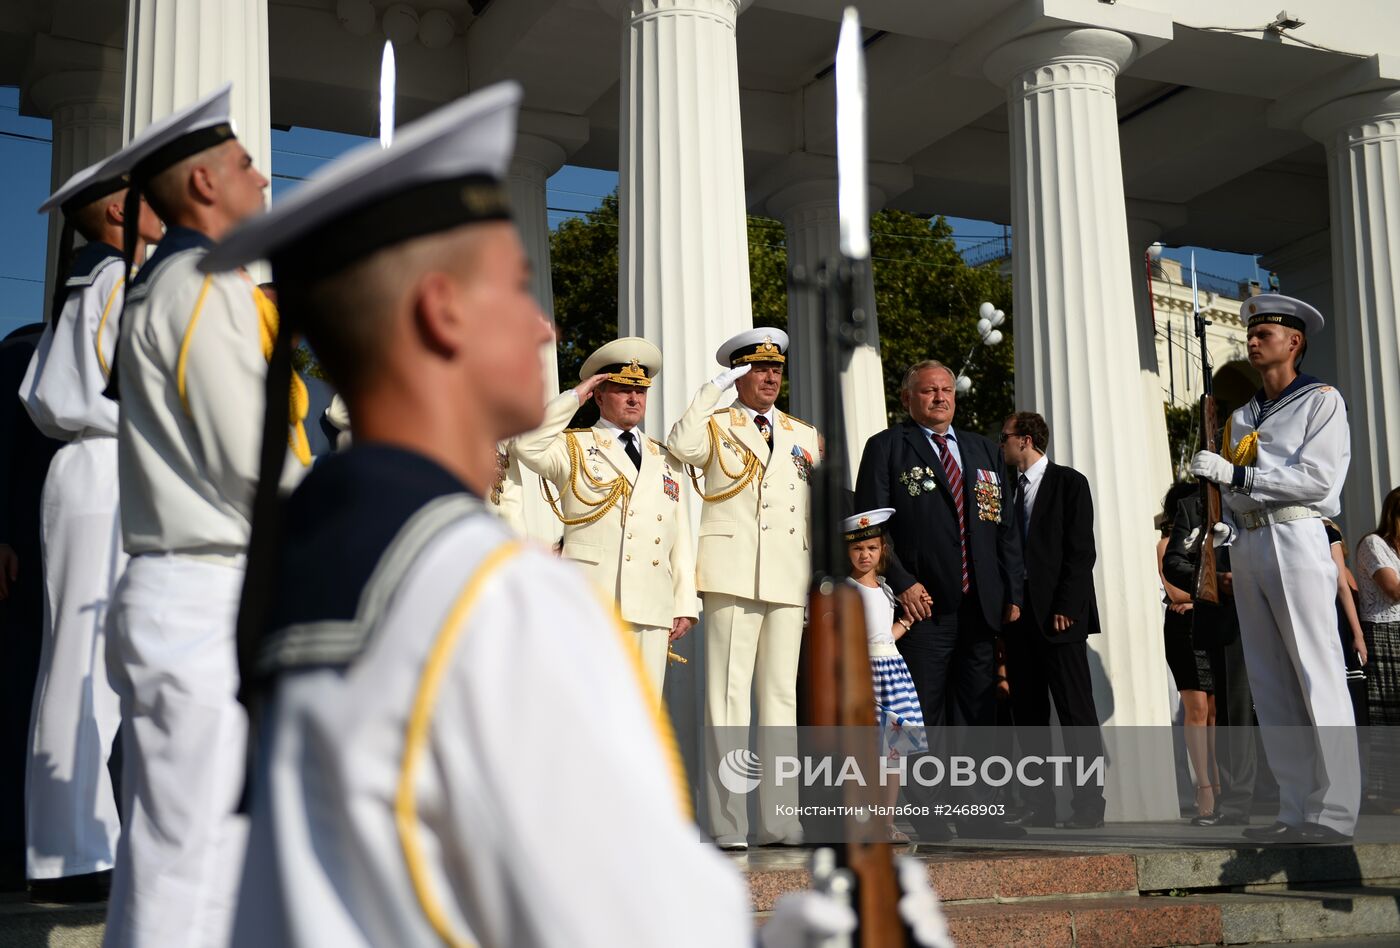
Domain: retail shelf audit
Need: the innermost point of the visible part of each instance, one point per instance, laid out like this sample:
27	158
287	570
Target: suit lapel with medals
743	430
923	447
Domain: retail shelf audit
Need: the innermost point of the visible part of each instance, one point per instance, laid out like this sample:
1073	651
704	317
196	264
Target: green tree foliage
926	300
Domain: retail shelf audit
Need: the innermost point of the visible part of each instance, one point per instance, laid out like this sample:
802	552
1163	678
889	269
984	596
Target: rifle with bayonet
1207	581
837	690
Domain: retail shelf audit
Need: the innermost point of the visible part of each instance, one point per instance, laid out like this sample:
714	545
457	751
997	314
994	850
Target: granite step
27	925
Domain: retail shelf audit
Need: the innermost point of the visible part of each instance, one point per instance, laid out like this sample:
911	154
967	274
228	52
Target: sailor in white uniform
1285	456
190	373
455	747
71	823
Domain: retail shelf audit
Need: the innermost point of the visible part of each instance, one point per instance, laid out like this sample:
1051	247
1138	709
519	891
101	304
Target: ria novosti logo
740	771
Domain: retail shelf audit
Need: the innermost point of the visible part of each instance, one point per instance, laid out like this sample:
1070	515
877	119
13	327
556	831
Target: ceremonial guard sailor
70	810
455	744
190	370
1286	456
753	563
620	499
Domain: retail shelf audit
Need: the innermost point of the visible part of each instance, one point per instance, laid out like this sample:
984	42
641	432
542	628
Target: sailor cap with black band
444	171
1283	311
864	526
93	183
630	360
761	344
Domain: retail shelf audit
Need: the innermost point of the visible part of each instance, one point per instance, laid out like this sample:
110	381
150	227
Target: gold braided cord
1243	454
752	465
618	489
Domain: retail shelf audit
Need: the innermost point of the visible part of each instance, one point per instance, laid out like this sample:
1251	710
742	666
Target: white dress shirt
952	444
1033	475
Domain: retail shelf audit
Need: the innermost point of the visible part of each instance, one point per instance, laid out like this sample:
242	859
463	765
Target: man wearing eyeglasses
1046	651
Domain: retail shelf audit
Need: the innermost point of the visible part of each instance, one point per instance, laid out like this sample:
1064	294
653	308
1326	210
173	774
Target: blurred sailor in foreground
70	810
1286	456
191	366
455	745
620	499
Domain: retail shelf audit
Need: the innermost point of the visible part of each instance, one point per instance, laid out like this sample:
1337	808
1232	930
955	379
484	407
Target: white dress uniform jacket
70	810
1285	585
444	760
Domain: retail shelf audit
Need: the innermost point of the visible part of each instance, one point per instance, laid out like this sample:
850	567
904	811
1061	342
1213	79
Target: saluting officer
625	520
71	818
190	370
753	563
1286	454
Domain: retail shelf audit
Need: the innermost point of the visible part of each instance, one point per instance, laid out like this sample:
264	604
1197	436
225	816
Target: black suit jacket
1060	555
924	528
1210	625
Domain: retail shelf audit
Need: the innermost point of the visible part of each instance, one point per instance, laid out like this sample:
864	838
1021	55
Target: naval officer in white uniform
753	564
1281	467
190	370
620	499
455	745
71	822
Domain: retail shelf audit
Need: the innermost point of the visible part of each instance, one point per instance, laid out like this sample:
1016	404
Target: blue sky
25	154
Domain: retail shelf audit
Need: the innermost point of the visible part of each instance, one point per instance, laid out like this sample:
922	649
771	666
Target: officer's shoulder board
799	421
576	430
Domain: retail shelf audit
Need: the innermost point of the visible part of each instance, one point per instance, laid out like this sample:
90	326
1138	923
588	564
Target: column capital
64	71
633	9
535	158
1355	119
803	178
1081	56
1148	220
83	87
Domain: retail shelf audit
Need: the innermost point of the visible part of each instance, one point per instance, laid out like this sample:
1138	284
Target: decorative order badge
671	486
802	460
987	492
919	480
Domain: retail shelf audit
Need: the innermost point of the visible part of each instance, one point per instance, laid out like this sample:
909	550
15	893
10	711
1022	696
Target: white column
1362	137
683	242
86	112
535	160
1160	472
809	214
179	50
1076	361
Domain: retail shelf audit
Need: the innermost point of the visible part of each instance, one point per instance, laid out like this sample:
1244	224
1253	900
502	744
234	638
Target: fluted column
1141	235
683	242
1076	359
535	160
1304	270
86	112
179	50
1362	137
809	214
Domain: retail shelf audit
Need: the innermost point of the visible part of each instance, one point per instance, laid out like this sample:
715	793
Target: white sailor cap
1283	310
863	526
630	360
761	344
189	131
92	183
441	172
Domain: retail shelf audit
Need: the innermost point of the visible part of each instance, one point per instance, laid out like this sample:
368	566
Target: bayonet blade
387	79
852	192
1195	294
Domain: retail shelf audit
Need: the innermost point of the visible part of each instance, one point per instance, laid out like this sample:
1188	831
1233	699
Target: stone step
1164	870
26	925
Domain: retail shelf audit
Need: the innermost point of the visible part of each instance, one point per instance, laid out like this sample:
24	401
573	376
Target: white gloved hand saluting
1213	467
728	377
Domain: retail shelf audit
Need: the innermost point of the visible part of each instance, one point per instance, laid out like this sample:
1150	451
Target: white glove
728	377
805	918
1222	534
1213	467
919	906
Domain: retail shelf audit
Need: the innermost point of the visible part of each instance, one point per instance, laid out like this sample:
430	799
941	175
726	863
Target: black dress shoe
1208	819
1084	821
1030	818
984	827
69	890
1233	819
930	829
1317	833
1278	832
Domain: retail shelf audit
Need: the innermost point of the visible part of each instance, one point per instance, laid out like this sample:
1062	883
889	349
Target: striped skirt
897	710
1383	698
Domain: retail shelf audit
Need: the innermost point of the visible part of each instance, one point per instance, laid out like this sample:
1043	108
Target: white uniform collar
752	412
610	426
1037	470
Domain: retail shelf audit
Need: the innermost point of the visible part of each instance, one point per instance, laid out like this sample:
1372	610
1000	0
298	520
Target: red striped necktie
955	487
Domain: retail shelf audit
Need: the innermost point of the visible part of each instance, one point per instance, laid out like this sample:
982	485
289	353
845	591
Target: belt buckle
1254	519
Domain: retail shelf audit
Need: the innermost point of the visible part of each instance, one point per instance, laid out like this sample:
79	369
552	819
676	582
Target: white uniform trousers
172	657
751	655
71	819
1285	590
653	644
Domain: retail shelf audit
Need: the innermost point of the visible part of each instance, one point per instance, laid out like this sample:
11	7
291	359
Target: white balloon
986	310
964	384
998	318
984	326
994	337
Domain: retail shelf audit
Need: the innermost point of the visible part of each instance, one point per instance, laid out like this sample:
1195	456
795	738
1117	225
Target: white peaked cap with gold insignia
93	182
442	171
863	526
760	344
1283	310
630	360
188	131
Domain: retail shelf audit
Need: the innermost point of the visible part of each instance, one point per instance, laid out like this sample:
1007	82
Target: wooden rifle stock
839	694
1207	576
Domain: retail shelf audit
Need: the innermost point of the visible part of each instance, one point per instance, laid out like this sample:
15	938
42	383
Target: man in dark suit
1216	629
1046	650
957	556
